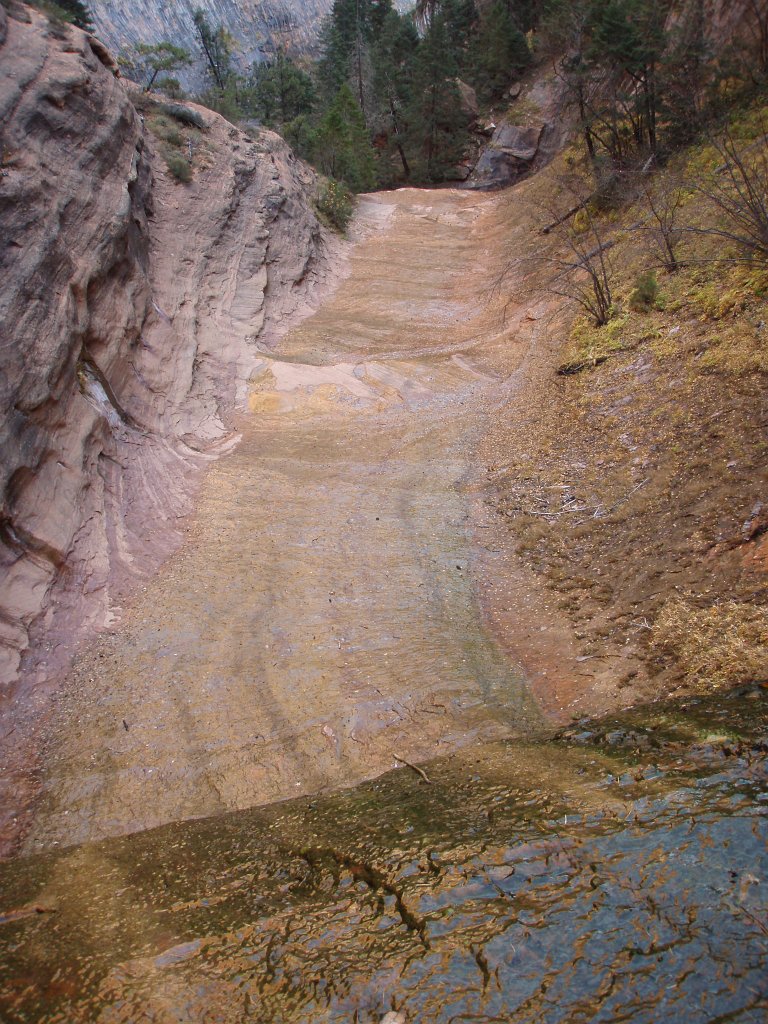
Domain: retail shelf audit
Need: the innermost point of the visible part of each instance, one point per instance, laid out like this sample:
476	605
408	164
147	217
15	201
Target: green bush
336	204
184	115
172	88
162	129
179	168
174	138
645	295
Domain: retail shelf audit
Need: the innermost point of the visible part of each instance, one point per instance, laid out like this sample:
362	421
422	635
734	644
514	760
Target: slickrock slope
132	309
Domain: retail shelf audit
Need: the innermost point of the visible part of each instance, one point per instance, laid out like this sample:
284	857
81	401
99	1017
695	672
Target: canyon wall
259	27
132	309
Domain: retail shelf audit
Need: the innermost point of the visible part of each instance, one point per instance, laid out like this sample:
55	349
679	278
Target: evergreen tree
147	61
612	67
685	77
380	10
341	145
279	91
346	39
393	54
499	53
437	131
628	40
77	13
217	46
460	20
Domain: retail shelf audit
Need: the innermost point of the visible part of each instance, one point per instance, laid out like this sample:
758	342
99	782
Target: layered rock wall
259	27
132	309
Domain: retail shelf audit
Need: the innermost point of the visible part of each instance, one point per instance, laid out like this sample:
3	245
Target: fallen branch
415	768
621	501
566	216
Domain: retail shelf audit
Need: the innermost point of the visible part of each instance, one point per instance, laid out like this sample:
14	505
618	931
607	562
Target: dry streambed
322	620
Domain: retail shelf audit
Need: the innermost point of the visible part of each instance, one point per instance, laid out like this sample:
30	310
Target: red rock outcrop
132	309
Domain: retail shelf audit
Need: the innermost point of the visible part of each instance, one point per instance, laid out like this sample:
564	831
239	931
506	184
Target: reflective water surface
615	872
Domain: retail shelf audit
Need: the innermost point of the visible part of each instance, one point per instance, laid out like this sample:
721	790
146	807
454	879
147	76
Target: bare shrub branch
584	272
663	229
738	191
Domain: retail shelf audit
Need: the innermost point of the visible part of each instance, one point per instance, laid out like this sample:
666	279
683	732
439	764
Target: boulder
508	157
469	105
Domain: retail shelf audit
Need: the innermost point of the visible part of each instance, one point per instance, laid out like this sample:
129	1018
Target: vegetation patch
335	204
646	295
589	345
179	167
65	12
723	645
185	115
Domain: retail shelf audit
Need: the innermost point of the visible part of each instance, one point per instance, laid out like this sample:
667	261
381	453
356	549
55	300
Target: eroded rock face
259	27
132	309
508	157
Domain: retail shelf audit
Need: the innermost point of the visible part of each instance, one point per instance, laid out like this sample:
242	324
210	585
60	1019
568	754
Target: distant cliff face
259	27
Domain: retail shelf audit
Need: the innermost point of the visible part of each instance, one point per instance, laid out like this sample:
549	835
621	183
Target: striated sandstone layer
259	27
132	311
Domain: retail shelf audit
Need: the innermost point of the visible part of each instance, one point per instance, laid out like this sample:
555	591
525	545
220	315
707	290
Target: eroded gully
320	623
322	620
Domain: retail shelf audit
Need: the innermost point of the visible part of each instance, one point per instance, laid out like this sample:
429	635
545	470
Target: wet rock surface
552	880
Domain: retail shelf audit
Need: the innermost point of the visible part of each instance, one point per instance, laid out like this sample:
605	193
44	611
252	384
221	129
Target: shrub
172	88
162	129
645	294
336	204
184	115
174	138
178	167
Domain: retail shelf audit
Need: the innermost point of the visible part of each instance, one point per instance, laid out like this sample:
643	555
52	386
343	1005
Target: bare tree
738	191
586	274
663	229
584	270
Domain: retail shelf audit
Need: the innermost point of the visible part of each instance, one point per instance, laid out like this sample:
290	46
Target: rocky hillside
132	308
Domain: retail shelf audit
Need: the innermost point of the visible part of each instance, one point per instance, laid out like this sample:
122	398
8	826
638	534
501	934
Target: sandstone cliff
258	27
132	309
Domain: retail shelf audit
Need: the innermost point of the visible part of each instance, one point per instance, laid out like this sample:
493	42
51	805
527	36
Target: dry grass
723	645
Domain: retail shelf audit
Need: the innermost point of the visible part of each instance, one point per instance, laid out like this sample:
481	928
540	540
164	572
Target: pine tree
393	54
217	46
499	53
346	39
279	91
437	133
147	61
78	13
342	147
628	40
